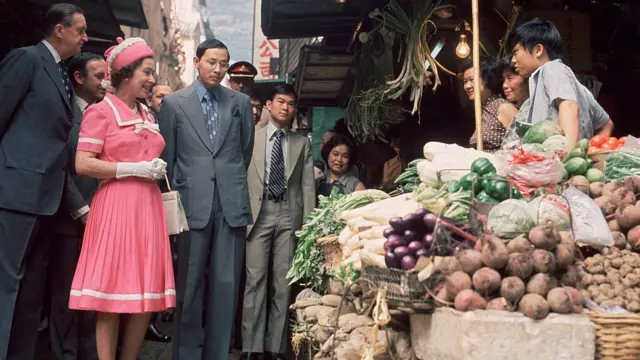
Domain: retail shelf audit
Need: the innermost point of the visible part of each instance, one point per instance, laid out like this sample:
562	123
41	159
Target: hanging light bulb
462	50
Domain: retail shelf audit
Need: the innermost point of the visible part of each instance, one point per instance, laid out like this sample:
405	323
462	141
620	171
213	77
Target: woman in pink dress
125	262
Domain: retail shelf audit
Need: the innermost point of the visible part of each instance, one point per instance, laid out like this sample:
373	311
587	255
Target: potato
512	289
543	237
581	183
631	183
498	304
571	277
595	189
470	260
534	306
469	300
605	205
520	265
540	284
486	281
587	279
456	282
543	261
519	245
564	257
609	188
622	196
494	252
576	296
628	216
633	238
559	301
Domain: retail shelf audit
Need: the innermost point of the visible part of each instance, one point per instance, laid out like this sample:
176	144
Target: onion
388	232
398	224
414	246
401	251
408	262
391	260
430	221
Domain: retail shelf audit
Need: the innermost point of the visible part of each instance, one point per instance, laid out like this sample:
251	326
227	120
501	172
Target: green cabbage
552	209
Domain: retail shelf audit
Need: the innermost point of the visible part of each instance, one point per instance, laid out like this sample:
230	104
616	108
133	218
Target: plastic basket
617	335
402	286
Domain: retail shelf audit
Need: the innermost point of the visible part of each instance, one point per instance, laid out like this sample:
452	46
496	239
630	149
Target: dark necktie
65	79
211	116
276	171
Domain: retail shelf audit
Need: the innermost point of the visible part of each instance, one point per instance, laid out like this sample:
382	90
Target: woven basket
332	259
402	286
617	336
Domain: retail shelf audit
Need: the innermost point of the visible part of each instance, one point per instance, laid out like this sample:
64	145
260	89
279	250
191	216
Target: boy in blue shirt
555	92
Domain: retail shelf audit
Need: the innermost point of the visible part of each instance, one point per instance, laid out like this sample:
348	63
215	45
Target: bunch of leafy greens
308	262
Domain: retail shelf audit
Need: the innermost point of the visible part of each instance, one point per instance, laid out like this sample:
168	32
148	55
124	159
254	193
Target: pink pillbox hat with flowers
126	53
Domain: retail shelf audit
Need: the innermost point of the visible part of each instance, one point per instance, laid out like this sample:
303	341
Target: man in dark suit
72	332
37	110
208	130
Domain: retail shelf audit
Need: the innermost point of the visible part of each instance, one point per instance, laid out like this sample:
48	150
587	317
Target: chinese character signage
263	49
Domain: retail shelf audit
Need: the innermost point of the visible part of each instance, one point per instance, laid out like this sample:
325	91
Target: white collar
271	130
82	103
53	51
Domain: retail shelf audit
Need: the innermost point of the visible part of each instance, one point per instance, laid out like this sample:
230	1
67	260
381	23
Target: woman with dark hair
340	155
497	113
516	91
125	262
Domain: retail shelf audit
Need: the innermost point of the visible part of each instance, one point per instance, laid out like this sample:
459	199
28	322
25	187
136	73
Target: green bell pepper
452	186
486	178
515	193
466	182
484	197
498	189
482	166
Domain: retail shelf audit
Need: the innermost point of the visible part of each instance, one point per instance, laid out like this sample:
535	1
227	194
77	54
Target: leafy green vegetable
622	164
539	132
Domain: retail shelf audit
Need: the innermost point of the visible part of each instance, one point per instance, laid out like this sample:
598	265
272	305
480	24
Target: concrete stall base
448	334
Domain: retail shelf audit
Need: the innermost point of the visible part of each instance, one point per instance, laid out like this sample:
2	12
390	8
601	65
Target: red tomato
608	146
593	150
622	140
613	141
597	141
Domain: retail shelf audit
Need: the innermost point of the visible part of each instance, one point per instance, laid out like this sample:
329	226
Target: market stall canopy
321	76
129	13
283	19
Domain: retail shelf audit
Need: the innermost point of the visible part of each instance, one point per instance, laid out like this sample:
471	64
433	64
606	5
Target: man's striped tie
276	171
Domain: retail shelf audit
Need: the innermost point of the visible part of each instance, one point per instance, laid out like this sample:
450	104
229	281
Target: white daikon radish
354	242
345	235
375	246
360	224
355	256
373	233
369	258
378	207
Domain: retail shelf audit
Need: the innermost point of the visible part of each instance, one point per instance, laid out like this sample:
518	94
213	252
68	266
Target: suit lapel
294	149
259	155
225	117
54	73
192	108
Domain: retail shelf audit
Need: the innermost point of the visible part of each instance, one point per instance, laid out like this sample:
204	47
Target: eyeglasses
222	64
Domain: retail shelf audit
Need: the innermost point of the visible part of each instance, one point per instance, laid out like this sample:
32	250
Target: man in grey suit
73	332
282	192
208	130
37	110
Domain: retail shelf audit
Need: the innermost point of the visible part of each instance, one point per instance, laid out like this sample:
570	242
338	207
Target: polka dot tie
65	79
211	116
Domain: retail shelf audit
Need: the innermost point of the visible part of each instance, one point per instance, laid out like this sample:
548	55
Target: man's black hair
490	72
59	14
340	127
252	94
210	44
154	86
535	32
284	89
79	63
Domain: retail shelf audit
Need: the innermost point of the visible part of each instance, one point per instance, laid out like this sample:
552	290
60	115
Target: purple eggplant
427	240
414	246
423	252
401	251
411	235
408	262
398	224
388	232
421	213
411	221
391	260
430	221
395	241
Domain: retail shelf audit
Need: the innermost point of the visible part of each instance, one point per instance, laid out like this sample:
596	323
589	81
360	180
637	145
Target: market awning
321	76
129	13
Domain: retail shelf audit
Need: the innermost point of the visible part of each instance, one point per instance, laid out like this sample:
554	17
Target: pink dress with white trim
125	263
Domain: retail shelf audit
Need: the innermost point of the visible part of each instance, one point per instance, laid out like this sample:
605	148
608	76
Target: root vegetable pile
534	274
612	279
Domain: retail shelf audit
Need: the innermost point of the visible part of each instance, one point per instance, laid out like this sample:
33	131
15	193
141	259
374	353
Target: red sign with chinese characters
267	50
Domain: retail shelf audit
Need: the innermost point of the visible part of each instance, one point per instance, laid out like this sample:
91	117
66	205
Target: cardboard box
448	334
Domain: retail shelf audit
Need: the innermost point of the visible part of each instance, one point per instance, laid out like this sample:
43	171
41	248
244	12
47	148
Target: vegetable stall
544	235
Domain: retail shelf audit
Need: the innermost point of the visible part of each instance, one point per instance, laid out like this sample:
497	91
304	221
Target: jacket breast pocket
27	163
185	188
26	175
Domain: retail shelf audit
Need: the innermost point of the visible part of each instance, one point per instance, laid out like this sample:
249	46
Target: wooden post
476	73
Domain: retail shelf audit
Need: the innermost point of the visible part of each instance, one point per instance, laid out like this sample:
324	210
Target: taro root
519	245
560	301
520	265
543	237
534	306
456	282
543	261
494	252
512	289
486	281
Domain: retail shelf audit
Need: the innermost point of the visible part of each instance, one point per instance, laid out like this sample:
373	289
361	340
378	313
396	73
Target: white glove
154	169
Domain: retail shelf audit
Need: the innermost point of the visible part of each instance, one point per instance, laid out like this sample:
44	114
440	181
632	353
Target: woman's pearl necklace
134	109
